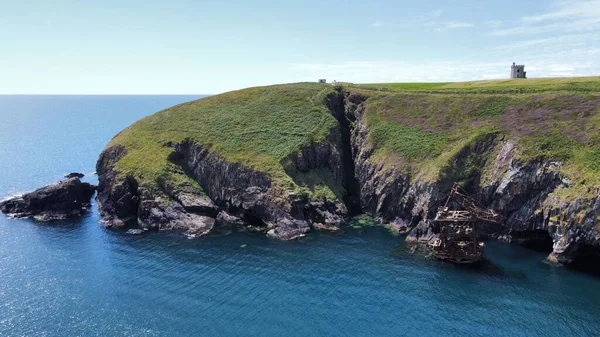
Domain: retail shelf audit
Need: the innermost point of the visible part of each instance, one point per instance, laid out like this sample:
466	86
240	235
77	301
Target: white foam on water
12	195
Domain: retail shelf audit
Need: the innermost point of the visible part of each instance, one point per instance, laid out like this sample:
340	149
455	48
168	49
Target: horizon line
98	94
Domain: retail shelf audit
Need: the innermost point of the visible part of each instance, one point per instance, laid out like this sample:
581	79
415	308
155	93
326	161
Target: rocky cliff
391	155
522	191
217	191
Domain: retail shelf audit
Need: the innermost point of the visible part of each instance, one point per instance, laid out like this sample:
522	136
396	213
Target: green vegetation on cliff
423	127
257	127
508	86
417	127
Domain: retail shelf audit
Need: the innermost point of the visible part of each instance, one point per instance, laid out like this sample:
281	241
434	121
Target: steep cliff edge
264	159
288	159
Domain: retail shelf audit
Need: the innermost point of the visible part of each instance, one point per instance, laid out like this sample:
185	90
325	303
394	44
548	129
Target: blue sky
207	47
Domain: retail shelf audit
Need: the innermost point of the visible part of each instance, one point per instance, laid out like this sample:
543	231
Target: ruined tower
517	71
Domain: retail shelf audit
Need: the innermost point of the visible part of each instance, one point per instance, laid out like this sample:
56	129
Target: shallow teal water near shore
76	278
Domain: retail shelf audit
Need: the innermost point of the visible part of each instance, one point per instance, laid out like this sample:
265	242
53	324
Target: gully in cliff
459	237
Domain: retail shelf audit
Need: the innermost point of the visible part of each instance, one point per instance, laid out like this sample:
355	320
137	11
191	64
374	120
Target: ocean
75	278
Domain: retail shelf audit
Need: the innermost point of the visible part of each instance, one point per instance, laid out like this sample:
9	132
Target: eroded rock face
118	199
225	218
520	191
523	193
385	192
190	198
231	195
69	198
574	228
251	196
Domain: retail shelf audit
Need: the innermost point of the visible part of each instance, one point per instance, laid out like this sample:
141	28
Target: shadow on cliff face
329	164
249	216
317	179
538	240
466	166
338	110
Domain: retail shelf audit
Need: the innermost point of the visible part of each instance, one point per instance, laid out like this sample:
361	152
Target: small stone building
322	80
517	71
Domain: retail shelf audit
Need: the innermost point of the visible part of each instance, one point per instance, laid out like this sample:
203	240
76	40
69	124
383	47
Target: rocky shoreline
231	193
218	192
192	211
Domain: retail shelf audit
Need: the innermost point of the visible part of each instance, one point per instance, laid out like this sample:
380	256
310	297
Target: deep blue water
75	278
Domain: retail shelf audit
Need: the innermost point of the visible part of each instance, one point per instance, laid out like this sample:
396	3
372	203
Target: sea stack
68	198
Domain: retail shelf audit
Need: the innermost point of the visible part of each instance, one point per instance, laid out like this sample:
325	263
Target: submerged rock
66	199
135	231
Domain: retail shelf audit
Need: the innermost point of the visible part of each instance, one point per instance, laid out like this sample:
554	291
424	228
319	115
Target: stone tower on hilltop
517	71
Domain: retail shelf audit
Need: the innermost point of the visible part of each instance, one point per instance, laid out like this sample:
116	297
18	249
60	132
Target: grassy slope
532	85
419	127
257	127
416	126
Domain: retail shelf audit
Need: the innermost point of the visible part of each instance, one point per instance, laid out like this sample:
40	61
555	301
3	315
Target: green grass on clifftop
422	127
512	86
256	127
418	127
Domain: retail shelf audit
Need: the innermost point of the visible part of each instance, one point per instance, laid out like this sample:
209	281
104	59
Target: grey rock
118	199
201	226
520	191
398	226
225	218
191	198
69	198
231	185
422	233
162	214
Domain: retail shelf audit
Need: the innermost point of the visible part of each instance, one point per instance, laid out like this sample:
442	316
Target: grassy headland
256	127
418	127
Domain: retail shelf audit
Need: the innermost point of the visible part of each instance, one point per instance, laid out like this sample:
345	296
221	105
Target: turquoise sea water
74	278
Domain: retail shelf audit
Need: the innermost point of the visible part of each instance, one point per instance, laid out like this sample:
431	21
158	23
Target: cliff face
520	191
229	193
324	180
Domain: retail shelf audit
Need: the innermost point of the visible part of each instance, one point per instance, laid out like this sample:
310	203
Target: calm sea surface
74	278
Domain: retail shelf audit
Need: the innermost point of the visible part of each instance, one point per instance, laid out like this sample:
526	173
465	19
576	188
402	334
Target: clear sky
207	47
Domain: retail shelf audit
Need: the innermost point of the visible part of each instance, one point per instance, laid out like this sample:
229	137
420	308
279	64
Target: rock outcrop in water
213	190
69	198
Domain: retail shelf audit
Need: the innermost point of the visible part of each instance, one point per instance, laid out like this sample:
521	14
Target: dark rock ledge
65	199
